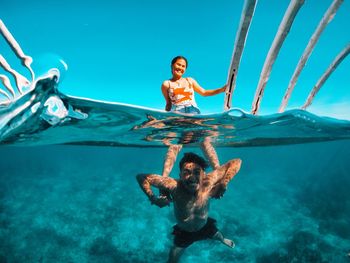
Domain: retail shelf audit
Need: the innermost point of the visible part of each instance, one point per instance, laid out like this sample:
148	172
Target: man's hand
218	190
160	201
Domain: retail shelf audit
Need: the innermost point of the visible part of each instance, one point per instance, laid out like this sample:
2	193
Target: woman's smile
179	67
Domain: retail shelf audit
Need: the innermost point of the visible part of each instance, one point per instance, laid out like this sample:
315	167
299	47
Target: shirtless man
190	194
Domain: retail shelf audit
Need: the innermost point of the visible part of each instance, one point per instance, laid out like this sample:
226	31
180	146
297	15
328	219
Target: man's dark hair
193	158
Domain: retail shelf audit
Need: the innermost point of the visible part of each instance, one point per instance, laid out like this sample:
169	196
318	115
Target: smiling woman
179	92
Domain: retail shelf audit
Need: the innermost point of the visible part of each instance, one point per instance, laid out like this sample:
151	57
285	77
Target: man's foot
228	242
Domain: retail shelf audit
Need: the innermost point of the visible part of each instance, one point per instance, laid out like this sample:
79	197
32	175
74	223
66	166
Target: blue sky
121	51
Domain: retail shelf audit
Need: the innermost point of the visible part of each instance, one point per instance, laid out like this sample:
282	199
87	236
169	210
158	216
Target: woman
179	92
179	96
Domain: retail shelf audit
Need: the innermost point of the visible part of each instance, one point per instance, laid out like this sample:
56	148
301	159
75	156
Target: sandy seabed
83	204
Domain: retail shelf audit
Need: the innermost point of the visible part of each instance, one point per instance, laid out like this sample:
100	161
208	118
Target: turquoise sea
83	204
68	191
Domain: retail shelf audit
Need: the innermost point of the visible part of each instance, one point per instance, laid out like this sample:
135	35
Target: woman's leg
170	159
210	153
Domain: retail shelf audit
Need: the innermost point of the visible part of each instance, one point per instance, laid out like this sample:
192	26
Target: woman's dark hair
193	158
179	57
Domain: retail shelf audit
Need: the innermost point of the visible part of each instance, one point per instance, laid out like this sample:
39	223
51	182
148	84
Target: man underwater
190	195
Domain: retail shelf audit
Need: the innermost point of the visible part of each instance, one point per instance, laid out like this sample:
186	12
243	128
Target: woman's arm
166	96
197	88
